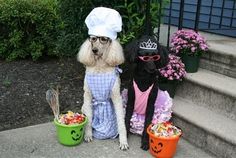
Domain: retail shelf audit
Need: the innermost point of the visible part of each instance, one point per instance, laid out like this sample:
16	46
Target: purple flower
188	41
193	49
174	70
168	72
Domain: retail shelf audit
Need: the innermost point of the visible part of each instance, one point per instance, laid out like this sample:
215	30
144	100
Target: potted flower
189	45
171	74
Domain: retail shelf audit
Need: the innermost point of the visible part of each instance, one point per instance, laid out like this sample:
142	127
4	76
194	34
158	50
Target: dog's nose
95	50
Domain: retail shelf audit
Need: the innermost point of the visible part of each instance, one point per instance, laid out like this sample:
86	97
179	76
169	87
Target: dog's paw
145	145
123	141
124	146
88	138
88	135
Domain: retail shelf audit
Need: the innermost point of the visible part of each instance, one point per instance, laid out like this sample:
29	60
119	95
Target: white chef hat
103	21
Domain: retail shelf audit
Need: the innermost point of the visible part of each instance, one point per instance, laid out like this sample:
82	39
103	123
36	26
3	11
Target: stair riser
222	68
207	97
205	140
226	59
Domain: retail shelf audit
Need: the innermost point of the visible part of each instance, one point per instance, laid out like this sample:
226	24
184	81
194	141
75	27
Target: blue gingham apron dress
104	121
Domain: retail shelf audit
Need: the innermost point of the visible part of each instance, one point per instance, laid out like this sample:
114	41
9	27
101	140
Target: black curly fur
144	74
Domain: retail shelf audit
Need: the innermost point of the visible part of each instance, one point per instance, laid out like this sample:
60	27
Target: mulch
23	85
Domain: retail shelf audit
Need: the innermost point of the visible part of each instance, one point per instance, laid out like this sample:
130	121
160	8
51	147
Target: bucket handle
181	131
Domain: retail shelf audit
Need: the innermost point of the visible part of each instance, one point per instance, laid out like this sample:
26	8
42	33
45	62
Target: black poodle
148	56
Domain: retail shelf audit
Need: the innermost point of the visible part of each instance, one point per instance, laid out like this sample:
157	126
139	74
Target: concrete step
215	91
206	129
221	57
40	142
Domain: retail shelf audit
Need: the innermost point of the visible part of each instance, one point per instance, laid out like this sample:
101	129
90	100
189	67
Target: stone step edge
224	52
212	80
217	67
205	119
221	57
215	63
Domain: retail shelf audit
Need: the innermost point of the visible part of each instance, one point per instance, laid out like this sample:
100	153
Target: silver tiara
148	45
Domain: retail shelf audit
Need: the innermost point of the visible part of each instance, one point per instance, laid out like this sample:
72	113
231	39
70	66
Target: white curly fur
107	57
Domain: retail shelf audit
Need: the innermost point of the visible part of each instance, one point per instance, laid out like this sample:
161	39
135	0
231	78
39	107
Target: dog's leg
130	106
87	110
117	101
148	116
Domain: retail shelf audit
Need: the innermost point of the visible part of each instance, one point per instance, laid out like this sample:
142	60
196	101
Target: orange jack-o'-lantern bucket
162	147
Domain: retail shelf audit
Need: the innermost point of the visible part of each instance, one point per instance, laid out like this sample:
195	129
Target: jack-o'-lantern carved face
75	135
156	148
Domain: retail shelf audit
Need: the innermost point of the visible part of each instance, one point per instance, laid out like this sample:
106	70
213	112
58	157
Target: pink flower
188	41
168	72
175	69
193	49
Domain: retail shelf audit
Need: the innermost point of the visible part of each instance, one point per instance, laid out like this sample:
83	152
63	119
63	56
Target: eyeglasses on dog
102	39
150	58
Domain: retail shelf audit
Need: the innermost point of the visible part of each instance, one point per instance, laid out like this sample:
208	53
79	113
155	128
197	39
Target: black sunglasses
102	39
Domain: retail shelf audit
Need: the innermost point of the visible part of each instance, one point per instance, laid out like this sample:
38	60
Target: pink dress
162	110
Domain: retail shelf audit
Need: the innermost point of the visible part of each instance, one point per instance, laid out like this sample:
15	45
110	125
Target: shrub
133	17
74	12
74	31
35	28
28	28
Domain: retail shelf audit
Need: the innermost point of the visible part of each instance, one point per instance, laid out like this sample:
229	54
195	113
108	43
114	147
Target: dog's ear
85	54
164	59
115	55
131	50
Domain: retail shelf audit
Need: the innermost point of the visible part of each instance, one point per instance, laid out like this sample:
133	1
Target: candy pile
165	130
71	118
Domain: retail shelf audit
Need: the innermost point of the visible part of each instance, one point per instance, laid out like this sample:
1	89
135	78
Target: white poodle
101	55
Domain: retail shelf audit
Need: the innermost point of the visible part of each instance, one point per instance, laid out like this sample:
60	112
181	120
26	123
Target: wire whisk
52	97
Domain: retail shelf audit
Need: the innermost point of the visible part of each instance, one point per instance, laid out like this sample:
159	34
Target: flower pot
162	147
191	62
169	86
70	135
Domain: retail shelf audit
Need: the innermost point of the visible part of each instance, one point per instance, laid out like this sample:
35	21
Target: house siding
210	19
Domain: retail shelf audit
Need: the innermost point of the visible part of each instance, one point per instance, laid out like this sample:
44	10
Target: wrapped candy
71	118
165	129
